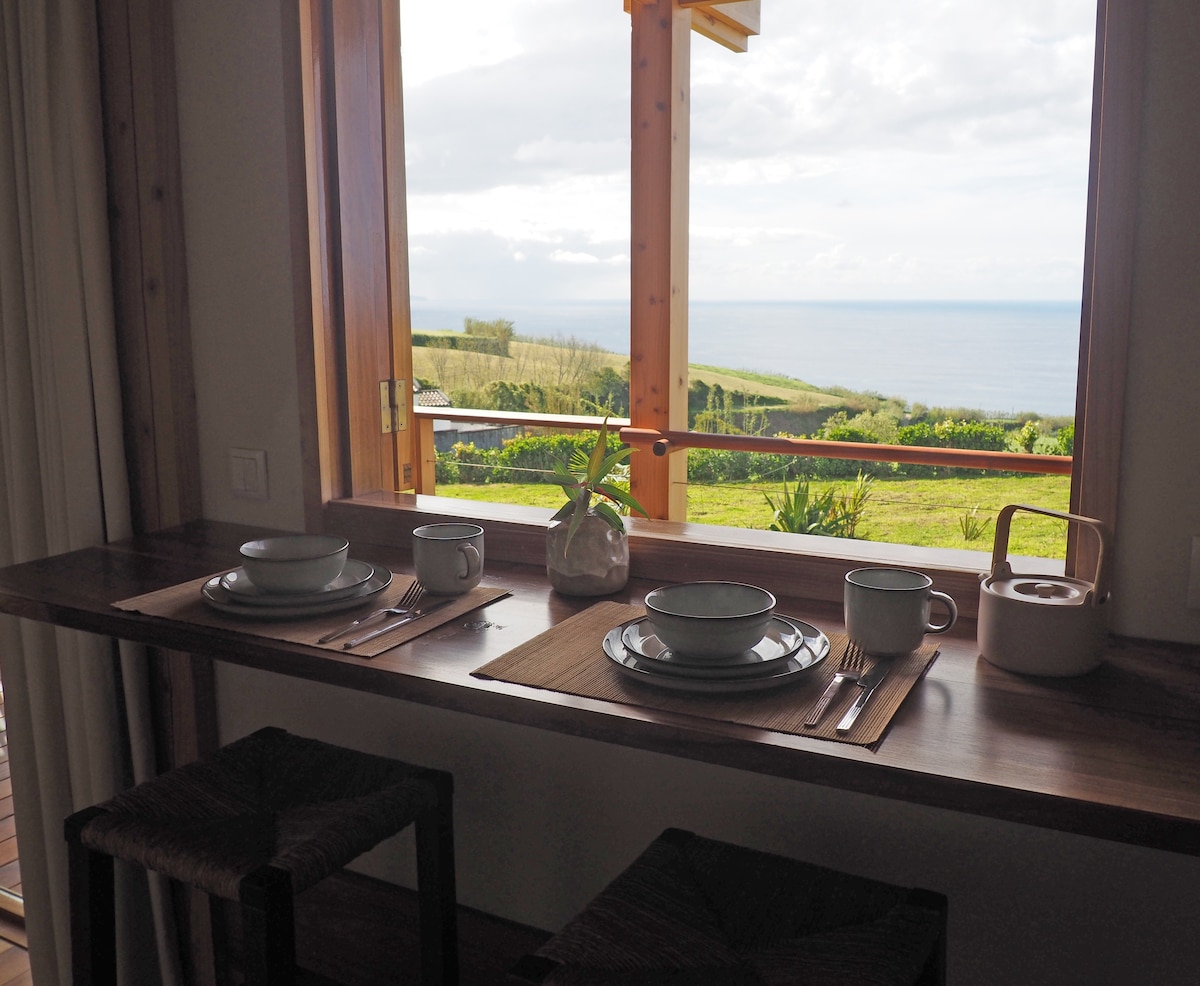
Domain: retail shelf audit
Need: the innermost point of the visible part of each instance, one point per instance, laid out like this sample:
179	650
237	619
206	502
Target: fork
412	596
851	669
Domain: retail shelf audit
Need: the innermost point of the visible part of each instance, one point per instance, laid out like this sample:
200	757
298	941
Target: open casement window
358	244
361	333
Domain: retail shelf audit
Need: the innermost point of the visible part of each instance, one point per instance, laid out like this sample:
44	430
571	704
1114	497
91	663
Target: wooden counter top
1114	754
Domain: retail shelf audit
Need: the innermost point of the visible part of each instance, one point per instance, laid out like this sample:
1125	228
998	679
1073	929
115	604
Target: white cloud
594	207
574	257
862	148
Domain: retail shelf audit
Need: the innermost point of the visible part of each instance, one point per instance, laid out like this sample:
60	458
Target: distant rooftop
429	397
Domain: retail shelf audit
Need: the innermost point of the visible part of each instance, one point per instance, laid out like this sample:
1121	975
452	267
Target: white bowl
710	619
294	562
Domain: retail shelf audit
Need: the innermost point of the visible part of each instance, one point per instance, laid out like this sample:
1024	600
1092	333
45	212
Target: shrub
955	434
862	428
473	465
950	434
800	511
973	526
1026	437
706	465
467	343
714	465
849	508
497	328
433	340
445	468
1064	441
831	514
972	435
607	392
875	427
500	395
531	458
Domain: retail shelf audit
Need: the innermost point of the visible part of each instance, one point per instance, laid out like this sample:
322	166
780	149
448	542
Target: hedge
466	343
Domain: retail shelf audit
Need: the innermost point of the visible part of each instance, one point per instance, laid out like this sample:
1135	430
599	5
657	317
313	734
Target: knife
867	685
416	614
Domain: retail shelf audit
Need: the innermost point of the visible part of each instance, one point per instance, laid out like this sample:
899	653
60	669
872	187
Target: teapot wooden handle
1004	520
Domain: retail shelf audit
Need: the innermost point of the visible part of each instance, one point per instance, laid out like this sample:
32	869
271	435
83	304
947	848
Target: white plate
782	639
351	582
650	672
218	597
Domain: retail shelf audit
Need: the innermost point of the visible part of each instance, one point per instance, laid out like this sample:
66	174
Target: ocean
999	357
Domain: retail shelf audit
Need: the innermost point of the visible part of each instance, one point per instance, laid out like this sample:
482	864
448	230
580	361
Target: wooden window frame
810	567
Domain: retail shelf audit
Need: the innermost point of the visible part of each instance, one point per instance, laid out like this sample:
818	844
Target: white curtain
76	704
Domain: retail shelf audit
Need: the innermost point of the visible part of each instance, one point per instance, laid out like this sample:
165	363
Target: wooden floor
14	960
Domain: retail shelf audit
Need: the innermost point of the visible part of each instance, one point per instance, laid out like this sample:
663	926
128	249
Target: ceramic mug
887	610
448	558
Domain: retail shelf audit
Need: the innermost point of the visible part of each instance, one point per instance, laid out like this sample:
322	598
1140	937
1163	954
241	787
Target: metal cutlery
412	595
867	685
414	614
851	669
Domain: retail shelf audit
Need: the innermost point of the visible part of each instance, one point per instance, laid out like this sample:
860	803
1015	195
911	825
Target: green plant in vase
587	549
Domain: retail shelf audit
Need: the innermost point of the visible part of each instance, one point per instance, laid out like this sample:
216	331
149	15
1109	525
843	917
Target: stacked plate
789	649
233	592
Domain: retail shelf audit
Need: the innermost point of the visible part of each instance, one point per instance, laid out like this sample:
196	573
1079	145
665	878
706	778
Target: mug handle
949	604
475	563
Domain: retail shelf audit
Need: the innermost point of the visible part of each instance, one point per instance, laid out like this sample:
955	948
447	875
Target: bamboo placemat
183	603
570	658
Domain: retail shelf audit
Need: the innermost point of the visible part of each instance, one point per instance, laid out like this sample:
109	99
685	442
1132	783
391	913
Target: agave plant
586	480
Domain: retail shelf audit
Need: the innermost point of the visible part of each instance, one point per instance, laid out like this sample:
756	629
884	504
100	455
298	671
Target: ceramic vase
595	563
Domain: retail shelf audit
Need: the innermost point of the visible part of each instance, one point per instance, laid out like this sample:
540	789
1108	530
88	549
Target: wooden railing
662	442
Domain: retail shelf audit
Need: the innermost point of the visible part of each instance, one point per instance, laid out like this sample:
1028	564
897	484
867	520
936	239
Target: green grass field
904	511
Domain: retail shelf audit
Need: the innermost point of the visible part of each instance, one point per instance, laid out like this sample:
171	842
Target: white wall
545	819
237	227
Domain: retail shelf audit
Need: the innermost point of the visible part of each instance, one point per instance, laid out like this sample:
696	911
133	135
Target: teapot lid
1040	589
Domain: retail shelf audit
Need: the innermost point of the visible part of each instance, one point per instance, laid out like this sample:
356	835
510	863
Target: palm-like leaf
587	474
605	512
608	464
580	462
595	466
622	496
564	511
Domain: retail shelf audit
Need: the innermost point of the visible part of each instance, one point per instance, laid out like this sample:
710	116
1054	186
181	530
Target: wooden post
427	457
658	380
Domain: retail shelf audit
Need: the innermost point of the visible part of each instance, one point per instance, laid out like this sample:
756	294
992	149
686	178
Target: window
1111	194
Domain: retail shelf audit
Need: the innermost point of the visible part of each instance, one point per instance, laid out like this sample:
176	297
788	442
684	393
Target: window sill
800	565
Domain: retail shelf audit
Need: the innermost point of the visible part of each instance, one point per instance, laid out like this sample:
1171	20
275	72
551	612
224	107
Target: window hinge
393	407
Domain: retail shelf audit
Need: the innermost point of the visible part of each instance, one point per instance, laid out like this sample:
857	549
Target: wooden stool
262	820
694	911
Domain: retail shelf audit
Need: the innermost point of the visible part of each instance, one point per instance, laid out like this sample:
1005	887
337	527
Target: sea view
999	357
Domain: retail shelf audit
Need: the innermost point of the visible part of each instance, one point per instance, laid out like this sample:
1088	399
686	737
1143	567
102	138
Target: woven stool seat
267	817
696	911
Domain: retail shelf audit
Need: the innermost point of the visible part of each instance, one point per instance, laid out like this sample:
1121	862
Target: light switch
248	472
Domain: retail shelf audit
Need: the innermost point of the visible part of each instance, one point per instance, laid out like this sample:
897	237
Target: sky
861	149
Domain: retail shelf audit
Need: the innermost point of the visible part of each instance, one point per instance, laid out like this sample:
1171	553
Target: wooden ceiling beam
728	22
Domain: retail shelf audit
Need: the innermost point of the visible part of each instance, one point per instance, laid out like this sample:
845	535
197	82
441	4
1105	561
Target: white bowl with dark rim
710	619
294	563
